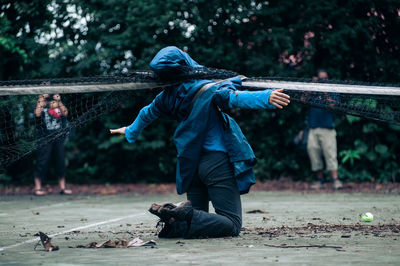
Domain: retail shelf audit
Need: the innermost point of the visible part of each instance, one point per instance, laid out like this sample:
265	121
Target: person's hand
41	102
279	99
118	130
57	97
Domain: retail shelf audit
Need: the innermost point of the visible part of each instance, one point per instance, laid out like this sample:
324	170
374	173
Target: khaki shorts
321	144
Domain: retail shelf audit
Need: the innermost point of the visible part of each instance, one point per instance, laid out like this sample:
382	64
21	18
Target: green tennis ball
366	217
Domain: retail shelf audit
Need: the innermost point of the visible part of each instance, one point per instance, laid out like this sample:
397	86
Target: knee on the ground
237	227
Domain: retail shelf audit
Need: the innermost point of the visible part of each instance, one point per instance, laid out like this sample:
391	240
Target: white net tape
323	87
261	84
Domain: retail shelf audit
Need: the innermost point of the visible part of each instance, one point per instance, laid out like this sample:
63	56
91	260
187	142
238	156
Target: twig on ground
304	246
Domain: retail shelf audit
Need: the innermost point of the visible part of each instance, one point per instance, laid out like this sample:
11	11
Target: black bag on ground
301	140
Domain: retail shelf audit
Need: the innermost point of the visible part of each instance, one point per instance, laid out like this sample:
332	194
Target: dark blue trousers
215	182
51	151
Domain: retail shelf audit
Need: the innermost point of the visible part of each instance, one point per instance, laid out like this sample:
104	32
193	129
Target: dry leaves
311	230
46	242
119	243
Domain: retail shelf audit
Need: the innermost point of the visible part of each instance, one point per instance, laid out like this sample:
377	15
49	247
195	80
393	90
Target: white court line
73	229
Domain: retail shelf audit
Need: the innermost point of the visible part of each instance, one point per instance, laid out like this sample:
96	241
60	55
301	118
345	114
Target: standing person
215	161
52	114
321	143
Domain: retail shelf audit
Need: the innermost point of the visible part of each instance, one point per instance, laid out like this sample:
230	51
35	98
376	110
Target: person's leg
334	174
314	151
59	159
320	175
38	187
329	148
62	185
216	173
198	195
42	162
315	154
227	220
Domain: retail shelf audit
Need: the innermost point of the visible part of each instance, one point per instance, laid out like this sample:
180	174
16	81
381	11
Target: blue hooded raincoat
175	102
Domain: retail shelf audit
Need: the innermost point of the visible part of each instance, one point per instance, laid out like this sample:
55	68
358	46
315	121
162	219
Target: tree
353	40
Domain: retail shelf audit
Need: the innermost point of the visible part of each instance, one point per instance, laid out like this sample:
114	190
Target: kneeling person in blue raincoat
215	161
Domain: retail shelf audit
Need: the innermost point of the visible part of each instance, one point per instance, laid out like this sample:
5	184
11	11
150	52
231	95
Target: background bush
352	40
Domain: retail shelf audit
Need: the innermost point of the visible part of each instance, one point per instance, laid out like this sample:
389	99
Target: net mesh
25	127
380	102
28	120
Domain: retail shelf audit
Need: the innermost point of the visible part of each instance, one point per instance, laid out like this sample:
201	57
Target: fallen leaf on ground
119	243
137	242
312	230
35	213
46	242
108	244
257	211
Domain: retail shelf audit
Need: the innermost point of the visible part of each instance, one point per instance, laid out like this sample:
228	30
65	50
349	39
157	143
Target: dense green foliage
352	40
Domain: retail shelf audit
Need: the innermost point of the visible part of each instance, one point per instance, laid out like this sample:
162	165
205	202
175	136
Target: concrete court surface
292	219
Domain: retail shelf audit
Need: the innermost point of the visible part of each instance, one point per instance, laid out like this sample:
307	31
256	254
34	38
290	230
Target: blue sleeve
250	99
145	117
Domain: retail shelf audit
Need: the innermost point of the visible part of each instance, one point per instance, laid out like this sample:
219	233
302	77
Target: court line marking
73	229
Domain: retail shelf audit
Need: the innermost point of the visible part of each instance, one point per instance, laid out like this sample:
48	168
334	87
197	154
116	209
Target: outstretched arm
146	116
259	99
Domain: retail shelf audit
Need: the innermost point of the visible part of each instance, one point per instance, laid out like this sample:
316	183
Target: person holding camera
52	114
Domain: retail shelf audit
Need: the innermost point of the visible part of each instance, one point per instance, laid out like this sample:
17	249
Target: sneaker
183	212
337	184
317	185
156	210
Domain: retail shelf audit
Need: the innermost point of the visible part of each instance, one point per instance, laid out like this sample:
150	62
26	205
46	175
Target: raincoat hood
171	61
